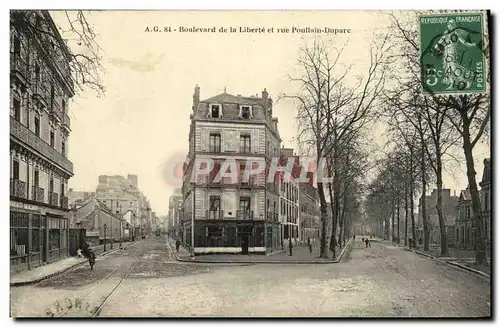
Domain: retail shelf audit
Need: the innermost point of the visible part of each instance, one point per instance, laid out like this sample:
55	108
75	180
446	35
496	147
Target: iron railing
244	214
215	214
38	194
18	189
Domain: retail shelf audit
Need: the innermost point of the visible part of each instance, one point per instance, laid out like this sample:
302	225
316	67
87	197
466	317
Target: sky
142	122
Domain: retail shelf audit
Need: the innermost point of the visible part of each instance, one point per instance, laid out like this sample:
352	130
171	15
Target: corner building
40	89
228	217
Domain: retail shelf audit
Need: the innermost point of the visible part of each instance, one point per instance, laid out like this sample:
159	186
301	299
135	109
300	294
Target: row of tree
336	116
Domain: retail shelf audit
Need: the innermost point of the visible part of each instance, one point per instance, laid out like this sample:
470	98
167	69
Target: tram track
91	302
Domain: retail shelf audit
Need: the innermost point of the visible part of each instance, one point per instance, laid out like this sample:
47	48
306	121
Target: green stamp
451	53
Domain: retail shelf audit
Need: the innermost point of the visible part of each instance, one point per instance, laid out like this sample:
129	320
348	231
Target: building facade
464	230
289	199
309	213
175	209
40	90
221	215
449	208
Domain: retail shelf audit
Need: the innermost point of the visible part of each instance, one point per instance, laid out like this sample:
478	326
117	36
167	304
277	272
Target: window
245	143
36	178
215	142
468	213
63	148
37	126
17	46
215	111
52	95
52	138
51	185
17	110
245	112
37	72
245	204
214	203
15	170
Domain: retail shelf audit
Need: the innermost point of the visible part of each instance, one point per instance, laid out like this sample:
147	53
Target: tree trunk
412	204
478	226
398	217
342	216
406	212
333	239
424	192
391	222
324	216
439	204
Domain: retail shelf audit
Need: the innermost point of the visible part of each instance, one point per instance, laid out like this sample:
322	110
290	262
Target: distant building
289	199
92	215
222	216
449	208
464	230
40	90
175	209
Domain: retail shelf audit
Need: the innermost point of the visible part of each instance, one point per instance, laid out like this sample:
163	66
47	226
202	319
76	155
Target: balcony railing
40	90
30	139
65	120
244	214
18	189
243	182
38	194
215	214
18	66
54	198
64	202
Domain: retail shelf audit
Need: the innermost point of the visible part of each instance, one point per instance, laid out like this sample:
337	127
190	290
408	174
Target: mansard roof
229	98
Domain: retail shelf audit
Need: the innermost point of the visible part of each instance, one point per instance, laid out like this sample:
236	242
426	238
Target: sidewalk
300	255
49	270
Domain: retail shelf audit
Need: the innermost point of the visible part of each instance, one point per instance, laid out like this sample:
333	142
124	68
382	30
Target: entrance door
244	243
43	248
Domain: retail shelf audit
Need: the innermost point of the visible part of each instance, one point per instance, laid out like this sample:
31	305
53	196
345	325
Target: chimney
196	97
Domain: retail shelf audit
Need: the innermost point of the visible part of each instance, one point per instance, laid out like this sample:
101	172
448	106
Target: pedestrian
354	237
362	239
367	242
290	246
177	245
310	245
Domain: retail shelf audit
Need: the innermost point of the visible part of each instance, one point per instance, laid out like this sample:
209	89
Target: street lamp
118	214
105	227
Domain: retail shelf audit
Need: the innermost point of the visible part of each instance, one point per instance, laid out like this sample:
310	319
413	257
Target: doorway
244	243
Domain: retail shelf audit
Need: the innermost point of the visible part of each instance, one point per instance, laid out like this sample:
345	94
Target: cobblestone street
381	281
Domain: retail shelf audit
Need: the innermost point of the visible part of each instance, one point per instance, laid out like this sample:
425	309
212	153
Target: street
381	281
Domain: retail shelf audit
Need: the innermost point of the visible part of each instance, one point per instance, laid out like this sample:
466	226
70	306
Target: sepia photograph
250	163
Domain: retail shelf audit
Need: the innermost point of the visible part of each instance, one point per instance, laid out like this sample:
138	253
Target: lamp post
118	214
105	227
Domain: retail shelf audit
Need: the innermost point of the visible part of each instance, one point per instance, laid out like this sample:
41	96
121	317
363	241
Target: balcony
38	194
54	198
40	91
66	121
244	214
214	214
37	145
18	189
242	183
64	202
19	68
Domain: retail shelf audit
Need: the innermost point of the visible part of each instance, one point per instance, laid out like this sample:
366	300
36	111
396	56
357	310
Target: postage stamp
452	53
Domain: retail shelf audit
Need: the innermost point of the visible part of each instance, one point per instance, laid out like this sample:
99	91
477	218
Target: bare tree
329	109
84	57
469	114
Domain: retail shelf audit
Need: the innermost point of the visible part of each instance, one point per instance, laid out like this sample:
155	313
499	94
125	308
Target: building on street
289	199
175	209
224	215
450	203
40	90
92	215
309	212
464	229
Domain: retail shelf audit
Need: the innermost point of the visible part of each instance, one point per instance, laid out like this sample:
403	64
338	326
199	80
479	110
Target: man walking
177	245
310	245
290	246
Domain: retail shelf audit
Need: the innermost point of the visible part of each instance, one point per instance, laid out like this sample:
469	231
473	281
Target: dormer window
246	112
215	111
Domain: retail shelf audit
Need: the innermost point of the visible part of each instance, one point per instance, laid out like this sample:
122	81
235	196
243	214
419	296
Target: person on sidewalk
309	245
354	237
367	243
177	245
290	246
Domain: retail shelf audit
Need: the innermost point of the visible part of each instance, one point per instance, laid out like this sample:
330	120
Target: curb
451	263
309	262
29	282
